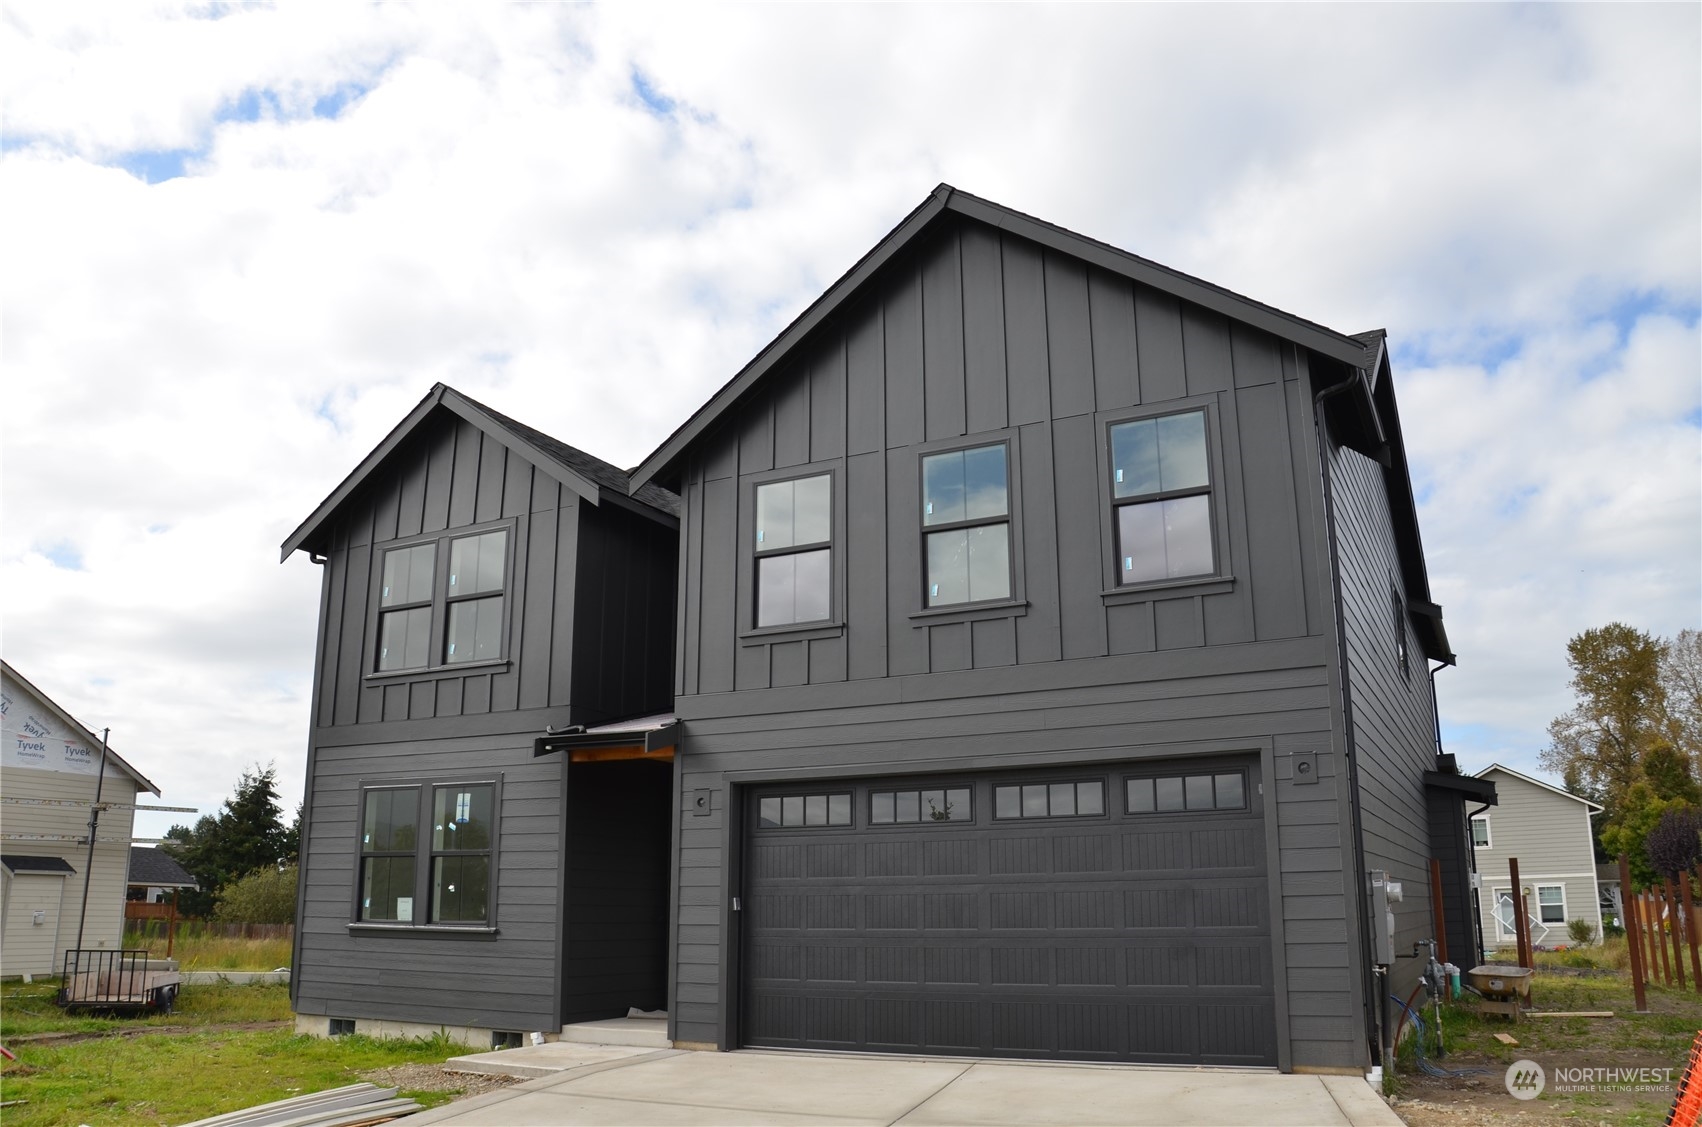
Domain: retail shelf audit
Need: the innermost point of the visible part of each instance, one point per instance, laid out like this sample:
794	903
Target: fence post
1690	928
1677	930
1628	902
1521	924
1657	913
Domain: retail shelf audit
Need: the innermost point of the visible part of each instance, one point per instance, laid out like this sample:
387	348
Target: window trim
436	664
925	530
1016	605
426	787
745	568
1221	578
1488	836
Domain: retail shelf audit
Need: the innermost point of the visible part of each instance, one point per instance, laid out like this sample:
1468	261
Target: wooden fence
153	926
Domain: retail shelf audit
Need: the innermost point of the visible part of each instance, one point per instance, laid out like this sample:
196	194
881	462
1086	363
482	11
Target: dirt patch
436	1078
1431	1101
147	1030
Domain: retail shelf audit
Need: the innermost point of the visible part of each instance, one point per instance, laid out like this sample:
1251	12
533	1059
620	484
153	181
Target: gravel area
436	1078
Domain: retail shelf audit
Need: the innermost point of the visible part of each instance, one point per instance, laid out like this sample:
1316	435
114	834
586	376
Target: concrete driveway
754	1087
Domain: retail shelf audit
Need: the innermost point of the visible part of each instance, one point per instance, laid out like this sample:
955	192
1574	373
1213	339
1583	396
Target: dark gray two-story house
1038	666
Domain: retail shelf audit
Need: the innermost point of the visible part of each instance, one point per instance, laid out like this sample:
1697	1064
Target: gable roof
590	477
77	728
947	199
1594	808
157	869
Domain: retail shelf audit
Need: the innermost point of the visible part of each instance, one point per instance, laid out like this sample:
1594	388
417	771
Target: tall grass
202	946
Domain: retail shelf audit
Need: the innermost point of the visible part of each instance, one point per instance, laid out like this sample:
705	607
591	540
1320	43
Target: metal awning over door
1116	913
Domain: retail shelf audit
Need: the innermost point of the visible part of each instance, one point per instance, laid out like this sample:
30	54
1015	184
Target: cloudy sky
241	242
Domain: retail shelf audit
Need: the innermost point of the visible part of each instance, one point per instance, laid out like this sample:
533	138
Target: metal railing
102	977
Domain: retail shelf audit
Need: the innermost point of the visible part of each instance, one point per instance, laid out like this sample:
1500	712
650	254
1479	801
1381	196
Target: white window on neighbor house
1480	832
1506	926
1551	903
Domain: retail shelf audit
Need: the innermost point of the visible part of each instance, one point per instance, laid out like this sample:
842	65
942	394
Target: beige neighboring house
1548	831
49	768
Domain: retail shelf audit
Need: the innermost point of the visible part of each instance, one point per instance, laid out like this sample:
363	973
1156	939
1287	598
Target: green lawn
183	1066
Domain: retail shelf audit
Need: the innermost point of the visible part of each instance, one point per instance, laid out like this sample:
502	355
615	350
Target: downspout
307	787
1369	983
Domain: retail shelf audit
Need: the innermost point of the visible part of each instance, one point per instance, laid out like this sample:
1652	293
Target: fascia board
1316	337
452	400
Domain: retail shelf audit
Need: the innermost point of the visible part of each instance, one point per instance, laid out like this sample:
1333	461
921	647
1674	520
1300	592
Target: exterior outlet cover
700	802
1305	767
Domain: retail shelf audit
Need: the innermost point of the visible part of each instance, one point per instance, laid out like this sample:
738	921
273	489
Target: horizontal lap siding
975	332
1550	835
1287	706
506	981
1394	732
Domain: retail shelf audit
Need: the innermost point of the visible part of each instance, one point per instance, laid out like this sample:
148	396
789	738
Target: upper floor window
966	518
474	596
422	622
1480	833
1161	496
794	551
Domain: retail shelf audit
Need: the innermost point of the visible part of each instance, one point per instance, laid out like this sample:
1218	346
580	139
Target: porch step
644	1032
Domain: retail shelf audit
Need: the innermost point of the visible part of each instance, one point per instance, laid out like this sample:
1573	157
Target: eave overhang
447	398
1468	786
662	464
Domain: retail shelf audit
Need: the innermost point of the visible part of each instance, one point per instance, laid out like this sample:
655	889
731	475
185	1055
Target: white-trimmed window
1480	833
1506	919
1551	903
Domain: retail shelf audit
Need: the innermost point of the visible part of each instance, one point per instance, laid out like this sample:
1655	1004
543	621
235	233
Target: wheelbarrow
1505	990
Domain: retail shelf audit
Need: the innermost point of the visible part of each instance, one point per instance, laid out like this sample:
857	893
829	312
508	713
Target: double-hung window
1551	903
442	602
1161	498
794	551
440	877
966	522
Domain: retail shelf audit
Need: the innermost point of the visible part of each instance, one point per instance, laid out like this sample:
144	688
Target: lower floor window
447	871
1551	903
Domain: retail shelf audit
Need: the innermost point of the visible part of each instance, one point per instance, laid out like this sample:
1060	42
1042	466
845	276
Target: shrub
263	897
1582	931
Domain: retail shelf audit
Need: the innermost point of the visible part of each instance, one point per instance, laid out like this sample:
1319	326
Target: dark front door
1114	913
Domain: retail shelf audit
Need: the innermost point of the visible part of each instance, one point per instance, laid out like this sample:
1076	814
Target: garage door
1116	914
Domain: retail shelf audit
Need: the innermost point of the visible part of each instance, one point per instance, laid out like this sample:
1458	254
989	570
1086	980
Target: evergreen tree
247	835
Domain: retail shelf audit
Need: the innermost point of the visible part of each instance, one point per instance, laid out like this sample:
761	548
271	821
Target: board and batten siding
1393	720
590	606
616	607
981	333
1552	837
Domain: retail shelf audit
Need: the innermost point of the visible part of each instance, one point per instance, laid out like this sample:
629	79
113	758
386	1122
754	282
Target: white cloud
492	204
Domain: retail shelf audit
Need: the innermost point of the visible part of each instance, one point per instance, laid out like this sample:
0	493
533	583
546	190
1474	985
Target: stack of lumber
354	1106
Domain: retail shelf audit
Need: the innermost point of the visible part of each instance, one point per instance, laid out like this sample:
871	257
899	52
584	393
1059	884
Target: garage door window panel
1050	800
793	811
1176	794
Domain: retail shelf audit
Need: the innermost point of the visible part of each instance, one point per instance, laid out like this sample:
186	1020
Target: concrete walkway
754	1087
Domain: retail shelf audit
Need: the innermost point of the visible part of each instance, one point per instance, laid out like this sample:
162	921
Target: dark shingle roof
591	466
18	863
158	869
